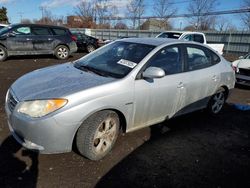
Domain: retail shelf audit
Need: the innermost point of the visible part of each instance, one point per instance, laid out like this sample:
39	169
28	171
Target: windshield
114	60
5	29
246	56
169	35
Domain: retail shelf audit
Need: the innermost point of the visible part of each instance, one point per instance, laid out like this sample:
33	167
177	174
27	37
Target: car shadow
195	150
239	86
15	172
28	57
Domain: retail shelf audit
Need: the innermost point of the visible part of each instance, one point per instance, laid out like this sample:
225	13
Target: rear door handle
50	39
28	39
214	78
180	85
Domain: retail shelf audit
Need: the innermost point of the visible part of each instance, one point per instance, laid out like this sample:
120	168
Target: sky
30	9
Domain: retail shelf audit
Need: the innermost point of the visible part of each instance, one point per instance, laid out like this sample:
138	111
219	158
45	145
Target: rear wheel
97	135
62	52
3	53
217	101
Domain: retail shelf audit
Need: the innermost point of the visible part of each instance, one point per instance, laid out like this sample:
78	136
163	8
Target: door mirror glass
241	57
153	72
11	34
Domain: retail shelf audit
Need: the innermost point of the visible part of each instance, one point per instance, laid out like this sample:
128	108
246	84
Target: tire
217	102
96	136
62	52
90	48
3	53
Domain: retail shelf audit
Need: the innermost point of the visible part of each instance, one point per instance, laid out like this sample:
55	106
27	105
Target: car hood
55	82
242	63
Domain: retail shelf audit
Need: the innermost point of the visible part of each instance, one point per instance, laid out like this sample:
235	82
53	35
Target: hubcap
218	101
105	135
2	53
91	48
62	52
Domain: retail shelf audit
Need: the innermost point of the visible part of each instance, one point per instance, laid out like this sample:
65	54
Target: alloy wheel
90	48
62	52
2	54
105	135
218	102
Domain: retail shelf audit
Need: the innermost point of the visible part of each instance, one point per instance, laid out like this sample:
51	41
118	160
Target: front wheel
97	135
62	52
217	102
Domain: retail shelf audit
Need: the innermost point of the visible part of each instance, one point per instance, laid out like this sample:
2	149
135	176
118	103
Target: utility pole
21	16
42	8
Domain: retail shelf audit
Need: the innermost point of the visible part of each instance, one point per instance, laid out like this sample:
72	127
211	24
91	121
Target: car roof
41	25
151	41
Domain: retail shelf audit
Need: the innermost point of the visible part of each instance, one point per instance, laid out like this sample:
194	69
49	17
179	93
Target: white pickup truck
191	36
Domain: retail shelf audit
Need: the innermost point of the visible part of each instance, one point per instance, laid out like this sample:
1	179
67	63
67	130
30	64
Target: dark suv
34	39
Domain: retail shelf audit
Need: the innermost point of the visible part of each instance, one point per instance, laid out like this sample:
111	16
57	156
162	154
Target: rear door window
198	58
59	31
40	31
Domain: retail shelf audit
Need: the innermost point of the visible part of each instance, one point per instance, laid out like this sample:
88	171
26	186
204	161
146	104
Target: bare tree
120	25
199	8
86	10
136	8
102	11
105	11
26	21
223	24
246	16
164	10
113	13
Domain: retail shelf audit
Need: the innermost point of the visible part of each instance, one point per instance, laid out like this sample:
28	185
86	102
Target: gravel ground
194	150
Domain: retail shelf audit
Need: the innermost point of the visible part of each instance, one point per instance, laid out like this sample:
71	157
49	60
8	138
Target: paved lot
195	150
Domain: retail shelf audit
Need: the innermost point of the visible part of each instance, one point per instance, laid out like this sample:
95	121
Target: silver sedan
124	86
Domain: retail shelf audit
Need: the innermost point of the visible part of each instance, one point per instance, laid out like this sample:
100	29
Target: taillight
234	68
73	37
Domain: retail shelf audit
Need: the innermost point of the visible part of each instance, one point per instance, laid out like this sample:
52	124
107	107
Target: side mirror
153	72
241	57
11	34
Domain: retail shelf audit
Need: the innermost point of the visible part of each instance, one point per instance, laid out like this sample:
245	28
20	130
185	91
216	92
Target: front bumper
45	135
242	79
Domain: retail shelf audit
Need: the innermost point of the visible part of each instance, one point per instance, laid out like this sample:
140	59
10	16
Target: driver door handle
180	85
214	78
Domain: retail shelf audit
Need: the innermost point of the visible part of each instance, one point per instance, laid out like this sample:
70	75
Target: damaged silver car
124	86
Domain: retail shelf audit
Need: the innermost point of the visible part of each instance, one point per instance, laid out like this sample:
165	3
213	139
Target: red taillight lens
234	68
73	38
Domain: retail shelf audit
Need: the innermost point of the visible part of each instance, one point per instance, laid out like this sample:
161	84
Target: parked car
124	86
191	36
242	70
86	42
34	39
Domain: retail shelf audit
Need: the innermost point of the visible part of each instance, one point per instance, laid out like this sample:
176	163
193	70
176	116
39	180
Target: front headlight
40	108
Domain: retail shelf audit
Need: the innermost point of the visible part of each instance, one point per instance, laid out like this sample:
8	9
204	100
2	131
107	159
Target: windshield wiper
91	69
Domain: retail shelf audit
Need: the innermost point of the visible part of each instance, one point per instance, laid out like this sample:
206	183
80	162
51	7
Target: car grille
12	102
245	72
